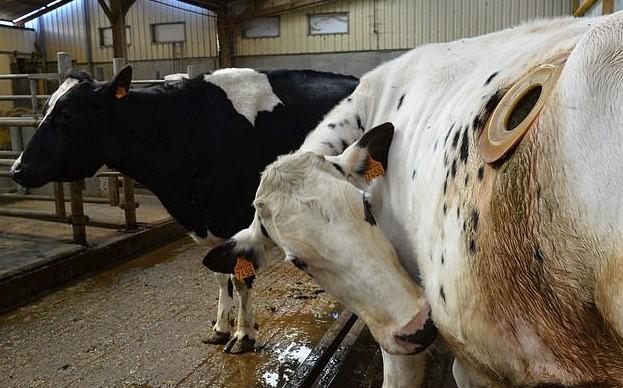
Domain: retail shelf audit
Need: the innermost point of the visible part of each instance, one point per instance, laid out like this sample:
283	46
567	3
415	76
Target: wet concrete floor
141	323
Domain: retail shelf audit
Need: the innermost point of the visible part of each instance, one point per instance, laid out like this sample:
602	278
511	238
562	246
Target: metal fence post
129	205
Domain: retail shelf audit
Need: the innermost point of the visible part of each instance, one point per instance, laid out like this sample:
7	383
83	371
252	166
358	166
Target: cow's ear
221	258
377	141
367	158
120	85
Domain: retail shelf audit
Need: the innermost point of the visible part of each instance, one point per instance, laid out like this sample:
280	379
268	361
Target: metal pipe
41	215
148	81
35	197
49	76
109	174
19	122
7	162
9	154
33	95
24	97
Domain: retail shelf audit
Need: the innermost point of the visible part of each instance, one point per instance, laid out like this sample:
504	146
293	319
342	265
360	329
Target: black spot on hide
472	246
367	212
338	167
538	255
464	146
230	288
475	218
359	124
455	139
491	77
400	101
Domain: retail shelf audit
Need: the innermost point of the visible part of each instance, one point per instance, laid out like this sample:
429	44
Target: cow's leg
467	377
220	332
243	339
403	371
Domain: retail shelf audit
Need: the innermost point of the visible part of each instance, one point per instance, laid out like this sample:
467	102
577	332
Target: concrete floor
141	323
26	242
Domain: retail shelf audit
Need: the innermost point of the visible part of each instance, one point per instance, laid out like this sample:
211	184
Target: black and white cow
502	193
199	145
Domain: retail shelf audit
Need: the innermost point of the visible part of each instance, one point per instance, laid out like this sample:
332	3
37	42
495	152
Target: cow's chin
413	338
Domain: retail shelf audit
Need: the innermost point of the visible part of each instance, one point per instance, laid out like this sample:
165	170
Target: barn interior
99	285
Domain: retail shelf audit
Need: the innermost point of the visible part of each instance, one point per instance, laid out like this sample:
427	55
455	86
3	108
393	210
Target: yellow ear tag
243	269
120	93
375	169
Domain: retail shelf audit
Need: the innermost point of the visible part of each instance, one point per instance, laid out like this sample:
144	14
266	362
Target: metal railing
113	179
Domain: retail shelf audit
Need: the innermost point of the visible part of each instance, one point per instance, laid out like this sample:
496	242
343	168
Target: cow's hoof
217	338
240	345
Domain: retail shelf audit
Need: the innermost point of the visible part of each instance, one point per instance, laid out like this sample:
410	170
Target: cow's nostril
17	174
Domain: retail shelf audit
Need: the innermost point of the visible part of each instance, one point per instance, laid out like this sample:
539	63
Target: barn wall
397	24
20	39
64	29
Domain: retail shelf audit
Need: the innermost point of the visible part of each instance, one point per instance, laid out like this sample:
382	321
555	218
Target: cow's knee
403	371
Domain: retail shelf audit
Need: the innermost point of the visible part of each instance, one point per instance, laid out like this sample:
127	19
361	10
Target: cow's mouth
419	340
418	334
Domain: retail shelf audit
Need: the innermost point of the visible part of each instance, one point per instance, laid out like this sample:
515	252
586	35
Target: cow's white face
306	205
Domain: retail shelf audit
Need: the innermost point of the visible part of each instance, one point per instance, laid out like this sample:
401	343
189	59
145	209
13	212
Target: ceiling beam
290	6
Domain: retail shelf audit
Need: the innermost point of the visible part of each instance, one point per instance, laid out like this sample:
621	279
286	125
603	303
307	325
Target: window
328	23
106	36
267	27
168	33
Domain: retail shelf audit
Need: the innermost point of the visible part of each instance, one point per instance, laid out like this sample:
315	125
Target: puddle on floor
141	324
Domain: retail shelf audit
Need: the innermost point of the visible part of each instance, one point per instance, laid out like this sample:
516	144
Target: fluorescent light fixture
16	21
6	23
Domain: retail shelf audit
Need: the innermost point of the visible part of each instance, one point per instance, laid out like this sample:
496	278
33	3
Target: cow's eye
518	110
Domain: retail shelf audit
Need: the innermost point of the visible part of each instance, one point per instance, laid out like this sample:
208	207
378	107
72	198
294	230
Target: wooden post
78	220
224	38
59	201
63	61
116	16
129	205
607	7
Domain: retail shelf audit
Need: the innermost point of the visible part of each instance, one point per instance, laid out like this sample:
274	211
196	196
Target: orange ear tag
120	93
375	169
243	269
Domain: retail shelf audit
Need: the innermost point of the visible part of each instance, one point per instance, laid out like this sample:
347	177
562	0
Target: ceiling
14	9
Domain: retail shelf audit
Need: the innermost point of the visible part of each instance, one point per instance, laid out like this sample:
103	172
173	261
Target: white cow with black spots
502	194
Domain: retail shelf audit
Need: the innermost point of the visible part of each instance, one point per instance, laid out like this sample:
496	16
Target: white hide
63	89
250	92
441	88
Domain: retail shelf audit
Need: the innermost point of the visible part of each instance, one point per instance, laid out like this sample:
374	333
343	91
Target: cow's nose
17	174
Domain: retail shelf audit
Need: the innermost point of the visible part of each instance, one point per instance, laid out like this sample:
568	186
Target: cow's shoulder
248	90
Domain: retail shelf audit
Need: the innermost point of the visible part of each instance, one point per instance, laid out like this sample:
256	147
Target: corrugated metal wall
64	30
398	24
22	40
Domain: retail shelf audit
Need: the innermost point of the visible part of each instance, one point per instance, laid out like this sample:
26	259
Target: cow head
68	143
308	210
